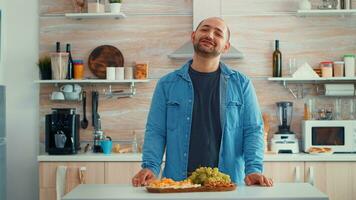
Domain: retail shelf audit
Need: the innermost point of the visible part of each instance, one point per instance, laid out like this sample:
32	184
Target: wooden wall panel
155	28
130	7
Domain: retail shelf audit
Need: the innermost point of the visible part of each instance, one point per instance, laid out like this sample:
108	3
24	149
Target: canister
326	69
339	68
349	60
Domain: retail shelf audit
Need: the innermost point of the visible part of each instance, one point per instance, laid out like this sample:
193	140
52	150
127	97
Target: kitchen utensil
106	145
102	57
84	122
95	99
60	139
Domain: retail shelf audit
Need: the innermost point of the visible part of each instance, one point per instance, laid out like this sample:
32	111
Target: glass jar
339	68
78	69
349	60
326	69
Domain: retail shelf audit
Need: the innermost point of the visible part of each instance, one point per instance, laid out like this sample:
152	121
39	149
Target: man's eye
204	29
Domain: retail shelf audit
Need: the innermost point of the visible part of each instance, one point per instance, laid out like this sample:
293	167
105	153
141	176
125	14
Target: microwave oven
340	135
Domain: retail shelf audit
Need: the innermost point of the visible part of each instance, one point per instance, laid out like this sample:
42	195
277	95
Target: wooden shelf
95	15
306	80
97	81
304	13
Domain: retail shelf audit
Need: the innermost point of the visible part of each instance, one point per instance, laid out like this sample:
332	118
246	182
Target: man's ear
192	36
226	47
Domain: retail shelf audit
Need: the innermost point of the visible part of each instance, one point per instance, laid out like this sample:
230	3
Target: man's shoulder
170	77
237	75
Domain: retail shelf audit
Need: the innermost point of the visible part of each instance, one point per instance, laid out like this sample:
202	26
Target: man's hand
143	177
258	179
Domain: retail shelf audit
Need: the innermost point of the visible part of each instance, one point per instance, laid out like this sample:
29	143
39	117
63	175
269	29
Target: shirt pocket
173	109
233	119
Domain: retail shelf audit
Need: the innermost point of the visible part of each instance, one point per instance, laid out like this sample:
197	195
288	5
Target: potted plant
115	6
44	64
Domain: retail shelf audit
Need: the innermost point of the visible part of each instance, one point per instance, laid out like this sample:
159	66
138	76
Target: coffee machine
62	131
284	140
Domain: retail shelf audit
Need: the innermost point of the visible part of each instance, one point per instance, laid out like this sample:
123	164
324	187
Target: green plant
115	1
44	64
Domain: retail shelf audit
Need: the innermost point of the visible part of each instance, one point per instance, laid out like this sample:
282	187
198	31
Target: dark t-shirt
205	136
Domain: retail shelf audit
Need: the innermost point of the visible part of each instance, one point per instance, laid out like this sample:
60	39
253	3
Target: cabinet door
336	179
93	173
121	172
284	171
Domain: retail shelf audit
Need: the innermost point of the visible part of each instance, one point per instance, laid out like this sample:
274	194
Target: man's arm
155	135
252	131
253	139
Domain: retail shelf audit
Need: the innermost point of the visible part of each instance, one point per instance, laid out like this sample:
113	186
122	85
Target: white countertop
290	191
137	157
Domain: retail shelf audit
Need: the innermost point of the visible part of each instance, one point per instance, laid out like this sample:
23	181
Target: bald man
204	115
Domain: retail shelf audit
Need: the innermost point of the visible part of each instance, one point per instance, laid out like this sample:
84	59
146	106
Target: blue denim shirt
169	125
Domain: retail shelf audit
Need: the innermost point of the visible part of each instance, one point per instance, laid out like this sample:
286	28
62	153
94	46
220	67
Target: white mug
120	75
67	88
110	73
57	95
128	71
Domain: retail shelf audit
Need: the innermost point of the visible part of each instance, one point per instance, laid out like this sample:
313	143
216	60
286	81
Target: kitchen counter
290	191
136	157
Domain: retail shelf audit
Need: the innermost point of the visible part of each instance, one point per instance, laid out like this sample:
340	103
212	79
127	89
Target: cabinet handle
311	175
297	174
82	171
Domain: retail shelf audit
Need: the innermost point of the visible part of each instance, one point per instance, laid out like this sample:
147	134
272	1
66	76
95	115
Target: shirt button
185	154
188	118
190	101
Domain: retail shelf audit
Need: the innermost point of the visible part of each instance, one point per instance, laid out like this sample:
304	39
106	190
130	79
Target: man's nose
211	34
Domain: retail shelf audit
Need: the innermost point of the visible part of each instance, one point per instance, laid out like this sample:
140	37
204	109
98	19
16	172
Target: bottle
277	61
70	63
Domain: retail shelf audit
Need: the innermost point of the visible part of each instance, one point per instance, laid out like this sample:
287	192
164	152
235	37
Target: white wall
2	6
20	71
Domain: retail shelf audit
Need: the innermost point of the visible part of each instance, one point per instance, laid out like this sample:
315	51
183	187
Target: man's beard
201	51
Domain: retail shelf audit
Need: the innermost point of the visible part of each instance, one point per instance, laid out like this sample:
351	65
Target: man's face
210	39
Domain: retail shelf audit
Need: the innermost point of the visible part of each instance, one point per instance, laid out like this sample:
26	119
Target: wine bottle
70	63
58	47
277	61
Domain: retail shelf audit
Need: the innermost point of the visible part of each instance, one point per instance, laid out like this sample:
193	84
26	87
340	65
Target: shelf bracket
300	90
120	93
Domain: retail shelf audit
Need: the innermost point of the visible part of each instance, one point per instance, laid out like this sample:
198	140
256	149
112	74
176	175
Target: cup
60	139
78	69
57	95
67	88
110	73
119	73
128	71
106	145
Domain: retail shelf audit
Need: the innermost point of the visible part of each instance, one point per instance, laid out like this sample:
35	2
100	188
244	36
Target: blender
284	140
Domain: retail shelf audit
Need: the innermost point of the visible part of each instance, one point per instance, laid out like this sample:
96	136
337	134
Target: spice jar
326	69
339	68
78	69
349	60
141	70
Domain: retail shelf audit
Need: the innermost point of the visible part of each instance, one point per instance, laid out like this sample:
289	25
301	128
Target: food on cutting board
203	176
320	150
170	183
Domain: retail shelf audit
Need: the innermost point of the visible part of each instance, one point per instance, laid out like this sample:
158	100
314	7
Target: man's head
211	38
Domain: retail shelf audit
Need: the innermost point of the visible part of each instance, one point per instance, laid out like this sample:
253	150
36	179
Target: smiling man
204	114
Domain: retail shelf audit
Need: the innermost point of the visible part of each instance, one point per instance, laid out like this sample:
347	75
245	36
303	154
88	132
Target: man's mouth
207	42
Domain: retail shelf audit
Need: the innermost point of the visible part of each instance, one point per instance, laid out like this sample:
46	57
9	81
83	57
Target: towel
60	181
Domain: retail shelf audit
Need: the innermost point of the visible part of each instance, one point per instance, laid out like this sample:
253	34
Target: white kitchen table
285	191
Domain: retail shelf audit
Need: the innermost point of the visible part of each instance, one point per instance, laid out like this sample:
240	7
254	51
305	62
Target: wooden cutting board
197	189
102	57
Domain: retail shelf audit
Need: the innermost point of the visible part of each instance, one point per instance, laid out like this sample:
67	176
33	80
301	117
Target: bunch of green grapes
205	175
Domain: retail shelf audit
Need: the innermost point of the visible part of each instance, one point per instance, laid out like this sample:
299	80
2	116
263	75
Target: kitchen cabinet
121	172
337	179
94	173
282	172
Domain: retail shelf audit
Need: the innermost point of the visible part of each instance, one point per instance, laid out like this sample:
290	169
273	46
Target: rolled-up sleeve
155	135
253	144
